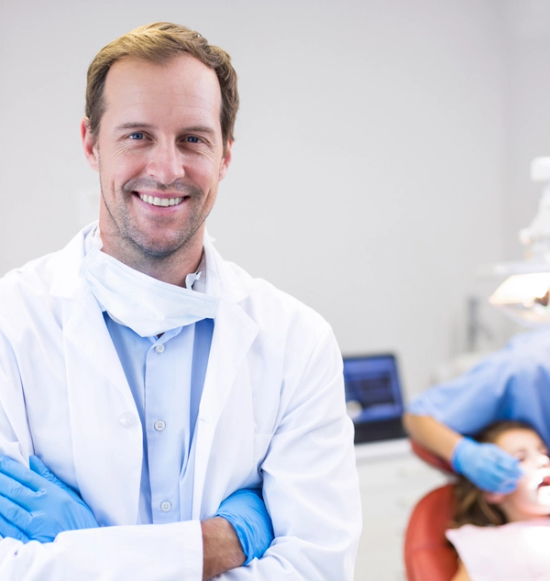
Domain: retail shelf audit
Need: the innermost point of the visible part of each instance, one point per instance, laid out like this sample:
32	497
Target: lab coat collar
220	279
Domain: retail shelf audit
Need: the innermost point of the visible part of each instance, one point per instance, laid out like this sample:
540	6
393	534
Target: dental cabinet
392	480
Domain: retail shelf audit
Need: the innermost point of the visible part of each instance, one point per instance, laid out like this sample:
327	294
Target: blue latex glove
36	505
245	510
487	466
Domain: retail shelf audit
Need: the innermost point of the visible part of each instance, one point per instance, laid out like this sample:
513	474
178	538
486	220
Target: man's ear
226	160
494	497
89	144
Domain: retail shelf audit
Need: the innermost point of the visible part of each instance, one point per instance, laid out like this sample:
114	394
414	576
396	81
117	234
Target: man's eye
136	135
192	139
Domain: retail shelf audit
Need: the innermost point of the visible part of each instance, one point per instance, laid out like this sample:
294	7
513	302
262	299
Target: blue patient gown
512	384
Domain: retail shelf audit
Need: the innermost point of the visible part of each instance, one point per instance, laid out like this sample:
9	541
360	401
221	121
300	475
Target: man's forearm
430	433
222	549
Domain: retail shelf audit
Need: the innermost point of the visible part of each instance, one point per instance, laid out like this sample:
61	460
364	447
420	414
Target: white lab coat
272	409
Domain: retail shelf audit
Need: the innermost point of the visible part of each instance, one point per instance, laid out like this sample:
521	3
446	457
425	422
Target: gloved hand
36	505
245	510
486	465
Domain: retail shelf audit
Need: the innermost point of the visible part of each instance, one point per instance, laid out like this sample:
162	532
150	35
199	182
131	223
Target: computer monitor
374	397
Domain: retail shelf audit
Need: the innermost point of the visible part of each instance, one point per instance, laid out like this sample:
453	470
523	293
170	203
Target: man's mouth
545	482
160	201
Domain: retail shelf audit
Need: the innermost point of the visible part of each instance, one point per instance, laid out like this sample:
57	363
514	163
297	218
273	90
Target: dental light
524	295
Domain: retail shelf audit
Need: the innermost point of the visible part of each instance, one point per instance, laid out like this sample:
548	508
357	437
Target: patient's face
531	499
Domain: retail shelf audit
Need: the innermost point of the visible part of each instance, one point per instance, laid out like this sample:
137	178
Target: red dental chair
428	555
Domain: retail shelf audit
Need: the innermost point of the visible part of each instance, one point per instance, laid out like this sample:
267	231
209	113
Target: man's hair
158	43
471	506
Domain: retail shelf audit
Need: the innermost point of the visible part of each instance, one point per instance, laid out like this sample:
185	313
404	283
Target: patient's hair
158	43
471	506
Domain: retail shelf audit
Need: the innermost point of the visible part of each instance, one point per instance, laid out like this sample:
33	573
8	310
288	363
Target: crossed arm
36	505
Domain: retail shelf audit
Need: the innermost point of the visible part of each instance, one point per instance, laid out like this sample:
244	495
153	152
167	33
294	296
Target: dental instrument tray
374	397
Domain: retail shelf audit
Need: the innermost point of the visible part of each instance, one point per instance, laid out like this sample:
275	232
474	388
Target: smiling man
156	392
160	154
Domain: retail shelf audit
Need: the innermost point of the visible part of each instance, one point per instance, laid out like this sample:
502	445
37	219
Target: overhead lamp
524	295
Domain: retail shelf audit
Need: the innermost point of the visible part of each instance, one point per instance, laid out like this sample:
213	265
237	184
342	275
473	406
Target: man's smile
156	201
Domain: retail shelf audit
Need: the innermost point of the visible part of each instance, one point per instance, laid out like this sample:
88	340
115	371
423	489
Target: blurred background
382	156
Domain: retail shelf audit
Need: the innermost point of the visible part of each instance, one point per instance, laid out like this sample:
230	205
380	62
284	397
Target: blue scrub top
512	384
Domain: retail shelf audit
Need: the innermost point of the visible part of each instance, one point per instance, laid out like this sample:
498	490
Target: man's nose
166	163
543	460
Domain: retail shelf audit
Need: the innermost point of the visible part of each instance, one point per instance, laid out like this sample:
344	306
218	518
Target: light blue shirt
166	376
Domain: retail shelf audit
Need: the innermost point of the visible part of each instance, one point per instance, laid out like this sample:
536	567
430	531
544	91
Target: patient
506	536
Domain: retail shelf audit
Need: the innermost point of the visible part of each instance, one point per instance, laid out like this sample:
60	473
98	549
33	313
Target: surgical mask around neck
147	305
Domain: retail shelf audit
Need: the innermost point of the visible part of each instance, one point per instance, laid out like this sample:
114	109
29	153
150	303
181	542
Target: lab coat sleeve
118	553
149	552
310	481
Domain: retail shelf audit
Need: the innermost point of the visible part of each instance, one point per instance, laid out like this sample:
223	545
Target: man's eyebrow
134	125
199	129
192	129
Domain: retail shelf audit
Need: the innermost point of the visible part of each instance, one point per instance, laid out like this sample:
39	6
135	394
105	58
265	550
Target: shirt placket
166	419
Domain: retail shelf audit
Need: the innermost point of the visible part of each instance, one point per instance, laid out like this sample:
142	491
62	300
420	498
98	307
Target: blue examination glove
35	505
245	510
487	466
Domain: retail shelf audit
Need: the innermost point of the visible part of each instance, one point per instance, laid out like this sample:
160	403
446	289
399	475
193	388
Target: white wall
369	173
529	114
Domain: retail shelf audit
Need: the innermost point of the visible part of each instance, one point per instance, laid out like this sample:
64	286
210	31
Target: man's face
159	153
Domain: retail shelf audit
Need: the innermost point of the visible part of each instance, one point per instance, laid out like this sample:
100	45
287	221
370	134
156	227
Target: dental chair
428	555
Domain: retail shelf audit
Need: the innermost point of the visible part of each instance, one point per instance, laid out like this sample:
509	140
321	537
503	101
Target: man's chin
158	248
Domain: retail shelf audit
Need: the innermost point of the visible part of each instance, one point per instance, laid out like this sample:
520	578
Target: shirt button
127	420
165	506
159	348
159	426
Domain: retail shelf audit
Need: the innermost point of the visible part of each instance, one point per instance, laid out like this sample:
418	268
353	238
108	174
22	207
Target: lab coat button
159	426
159	348
165	506
127	420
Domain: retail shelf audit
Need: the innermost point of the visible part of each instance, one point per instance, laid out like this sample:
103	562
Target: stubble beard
140	249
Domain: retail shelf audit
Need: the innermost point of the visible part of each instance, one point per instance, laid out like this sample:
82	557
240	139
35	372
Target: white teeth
160	201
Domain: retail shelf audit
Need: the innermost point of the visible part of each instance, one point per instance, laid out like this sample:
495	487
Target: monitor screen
373	397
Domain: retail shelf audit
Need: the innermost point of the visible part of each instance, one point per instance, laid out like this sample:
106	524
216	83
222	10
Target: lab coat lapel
105	426
234	333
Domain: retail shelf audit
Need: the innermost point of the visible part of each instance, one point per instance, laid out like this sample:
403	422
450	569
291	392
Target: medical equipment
428	554
524	295
373	397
